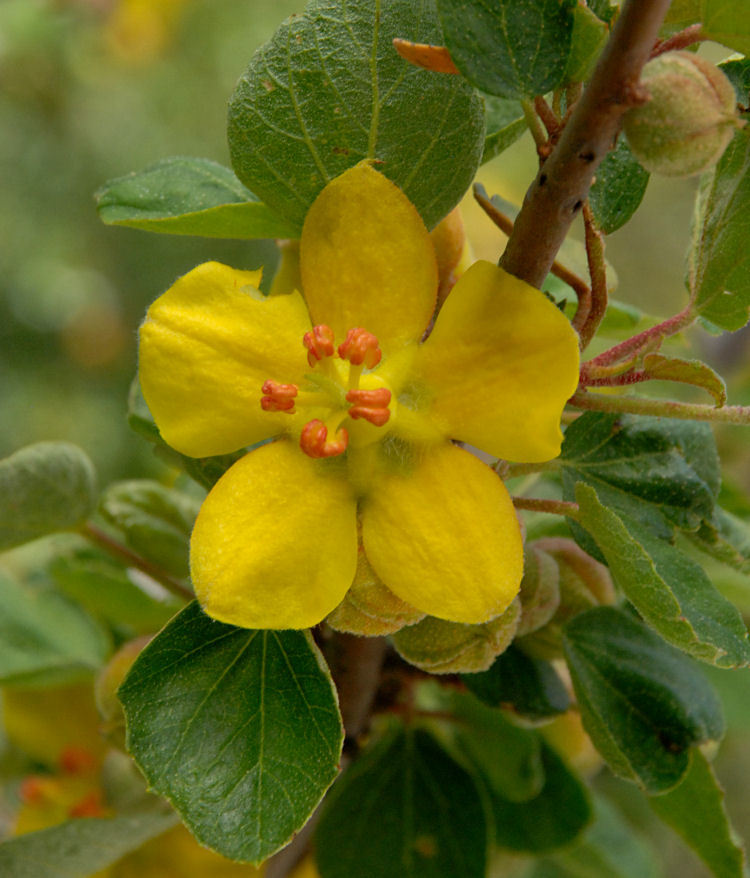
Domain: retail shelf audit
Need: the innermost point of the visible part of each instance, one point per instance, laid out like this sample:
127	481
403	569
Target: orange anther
77	760
279	397
33	790
315	443
89	806
361	346
319	343
372	405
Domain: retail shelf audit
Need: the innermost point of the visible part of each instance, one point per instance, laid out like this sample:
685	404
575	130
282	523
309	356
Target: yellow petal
445	537
367	259
206	347
500	364
275	542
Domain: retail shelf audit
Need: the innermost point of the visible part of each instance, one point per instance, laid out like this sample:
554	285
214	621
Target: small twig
597	402
598	272
555	507
576	283
104	541
623	380
535	127
548	116
513	470
557	195
681	40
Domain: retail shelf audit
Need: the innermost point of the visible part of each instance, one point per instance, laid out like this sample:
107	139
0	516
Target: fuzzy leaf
186	196
618	189
329	90
239	729
510	48
687	371
670	591
643	703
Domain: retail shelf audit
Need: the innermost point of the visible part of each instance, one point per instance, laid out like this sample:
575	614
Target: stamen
319	343
314	440
372	405
361	346
279	397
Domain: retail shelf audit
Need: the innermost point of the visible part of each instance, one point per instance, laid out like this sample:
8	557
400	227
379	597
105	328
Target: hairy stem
555	507
597	402
110	545
680	40
598	274
557	195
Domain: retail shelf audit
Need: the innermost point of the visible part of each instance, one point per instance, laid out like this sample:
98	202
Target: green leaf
505	123
44	638
619	187
643	703
737	72
668	589
692	372
79	847
555	817
239	729
661	472
405	808
608	849
726	538
46	487
329	90
510	48
186	196
695	810
525	685
727	22
106	589
589	36
155	521
719	259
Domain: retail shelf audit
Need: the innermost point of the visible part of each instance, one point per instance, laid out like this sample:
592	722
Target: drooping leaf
618	188
643	703
45	487
510	48
554	818
695	810
405	808
660	472
719	259
80	847
609	849
505	124
44	638
239	729
725	537
329	90
527	686
693	372
670	591
155	521
189	196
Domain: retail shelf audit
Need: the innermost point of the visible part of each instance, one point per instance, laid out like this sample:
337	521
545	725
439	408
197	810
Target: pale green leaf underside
329	90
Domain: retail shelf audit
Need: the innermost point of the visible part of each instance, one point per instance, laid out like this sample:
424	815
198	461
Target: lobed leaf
44	488
695	810
511	48
405	808
643	703
670	591
239	729
329	90
189	196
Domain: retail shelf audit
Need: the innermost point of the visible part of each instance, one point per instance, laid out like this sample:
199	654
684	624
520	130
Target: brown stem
547	115
576	283
557	195
681	40
104	541
598	274
555	507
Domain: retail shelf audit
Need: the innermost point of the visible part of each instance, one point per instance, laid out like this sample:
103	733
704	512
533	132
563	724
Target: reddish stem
598	273
681	40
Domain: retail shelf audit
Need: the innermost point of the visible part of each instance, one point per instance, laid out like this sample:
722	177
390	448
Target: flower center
335	391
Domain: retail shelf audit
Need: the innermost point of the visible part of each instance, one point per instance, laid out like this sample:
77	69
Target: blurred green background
93	89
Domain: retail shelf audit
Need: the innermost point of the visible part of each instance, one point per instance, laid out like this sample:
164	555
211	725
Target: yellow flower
362	438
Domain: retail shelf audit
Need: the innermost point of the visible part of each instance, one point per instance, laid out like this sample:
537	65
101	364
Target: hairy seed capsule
689	120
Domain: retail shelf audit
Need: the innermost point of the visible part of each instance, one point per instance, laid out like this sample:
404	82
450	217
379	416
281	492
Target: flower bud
452	647
540	589
583	583
369	608
688	121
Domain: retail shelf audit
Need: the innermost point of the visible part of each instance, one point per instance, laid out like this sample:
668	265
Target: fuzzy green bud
689	119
